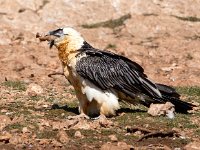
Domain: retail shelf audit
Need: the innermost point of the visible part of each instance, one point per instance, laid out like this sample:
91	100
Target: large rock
193	146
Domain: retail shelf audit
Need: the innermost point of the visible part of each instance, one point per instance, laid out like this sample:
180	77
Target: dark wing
167	90
108	70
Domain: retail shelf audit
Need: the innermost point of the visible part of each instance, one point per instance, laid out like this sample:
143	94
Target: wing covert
108	70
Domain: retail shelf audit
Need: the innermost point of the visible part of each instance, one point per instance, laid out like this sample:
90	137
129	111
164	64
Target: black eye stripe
59	30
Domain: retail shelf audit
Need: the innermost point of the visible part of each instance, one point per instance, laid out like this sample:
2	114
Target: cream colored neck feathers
71	43
67	44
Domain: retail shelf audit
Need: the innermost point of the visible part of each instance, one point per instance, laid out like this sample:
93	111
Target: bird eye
59	30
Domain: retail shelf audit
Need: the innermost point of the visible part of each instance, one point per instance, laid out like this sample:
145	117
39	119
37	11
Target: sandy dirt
162	36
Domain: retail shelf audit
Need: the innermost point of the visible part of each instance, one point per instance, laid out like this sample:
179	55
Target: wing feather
108	70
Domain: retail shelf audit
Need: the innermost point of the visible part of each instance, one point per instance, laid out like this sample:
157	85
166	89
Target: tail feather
167	90
170	94
180	106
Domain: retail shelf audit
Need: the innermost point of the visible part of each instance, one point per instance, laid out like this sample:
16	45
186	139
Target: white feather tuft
107	100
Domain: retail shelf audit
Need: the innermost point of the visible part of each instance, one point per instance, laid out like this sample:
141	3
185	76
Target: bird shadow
75	109
66	108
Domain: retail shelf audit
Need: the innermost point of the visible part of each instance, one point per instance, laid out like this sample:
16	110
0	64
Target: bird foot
99	117
78	117
84	116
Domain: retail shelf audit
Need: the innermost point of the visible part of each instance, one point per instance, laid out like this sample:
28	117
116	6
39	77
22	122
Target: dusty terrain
162	36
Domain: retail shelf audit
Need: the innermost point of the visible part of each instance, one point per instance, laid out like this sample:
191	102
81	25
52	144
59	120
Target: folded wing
108	70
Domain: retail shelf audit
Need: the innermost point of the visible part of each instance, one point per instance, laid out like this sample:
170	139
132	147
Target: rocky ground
162	36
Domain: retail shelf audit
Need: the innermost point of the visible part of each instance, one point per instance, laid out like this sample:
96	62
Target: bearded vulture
102	78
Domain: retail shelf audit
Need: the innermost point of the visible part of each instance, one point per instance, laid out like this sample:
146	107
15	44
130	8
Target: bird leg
82	109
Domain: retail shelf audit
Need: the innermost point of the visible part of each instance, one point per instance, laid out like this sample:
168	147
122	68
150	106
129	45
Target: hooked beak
51	44
57	33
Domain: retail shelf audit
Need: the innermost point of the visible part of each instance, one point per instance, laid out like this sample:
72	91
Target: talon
98	117
81	116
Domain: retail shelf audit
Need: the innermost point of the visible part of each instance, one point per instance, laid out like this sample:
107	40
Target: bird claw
78	117
98	118
84	116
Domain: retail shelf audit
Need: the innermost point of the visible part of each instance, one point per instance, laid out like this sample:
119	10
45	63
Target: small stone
137	133
195	103
113	138
80	124
15	140
18	66
44	123
41	128
123	145
63	137
56	143
34	90
5	136
104	122
4	110
45	106
57	125
44	141
193	146
18	119
25	130
118	146
78	134
5	120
